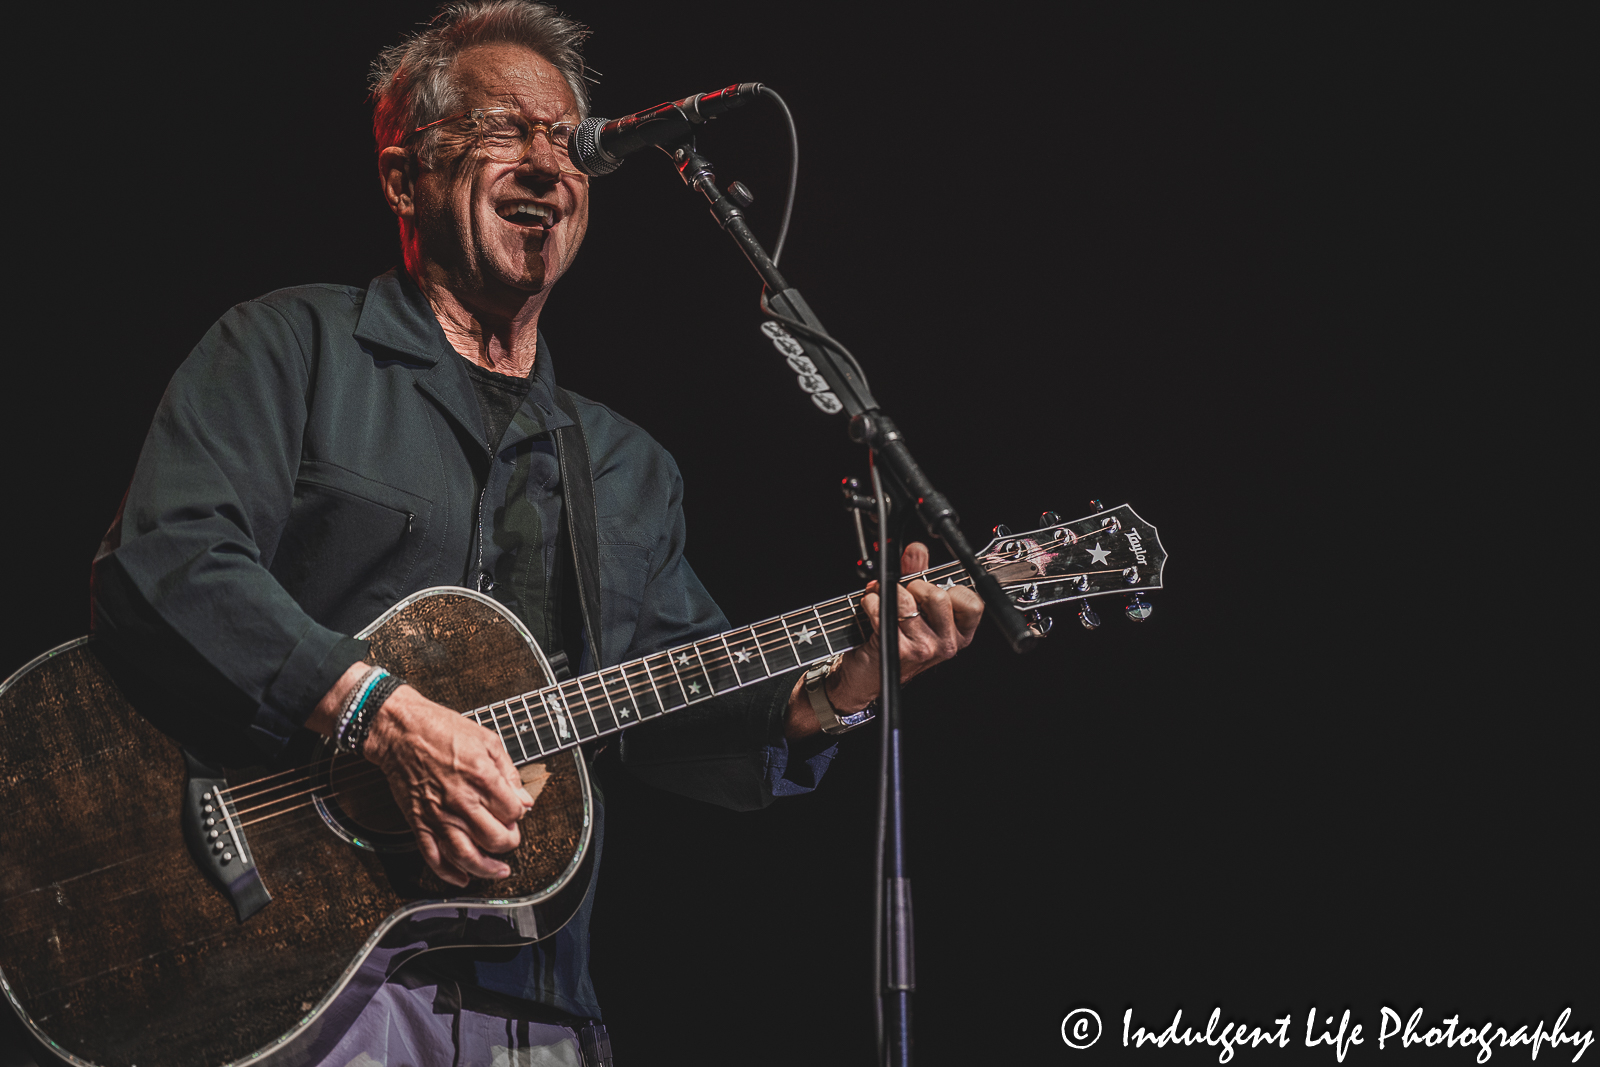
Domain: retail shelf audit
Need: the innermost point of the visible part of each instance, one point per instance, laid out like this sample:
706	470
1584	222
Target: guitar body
162	912
118	948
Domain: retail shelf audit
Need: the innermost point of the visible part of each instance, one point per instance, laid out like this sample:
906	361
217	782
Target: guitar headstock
1112	551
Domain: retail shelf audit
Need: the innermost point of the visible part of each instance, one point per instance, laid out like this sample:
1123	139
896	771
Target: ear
397	173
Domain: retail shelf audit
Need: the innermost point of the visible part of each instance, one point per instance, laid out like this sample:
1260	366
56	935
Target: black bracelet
381	691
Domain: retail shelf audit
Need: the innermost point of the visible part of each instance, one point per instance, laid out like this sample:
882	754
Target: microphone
598	146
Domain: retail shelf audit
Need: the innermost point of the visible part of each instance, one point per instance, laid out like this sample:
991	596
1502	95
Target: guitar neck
1111	551
545	721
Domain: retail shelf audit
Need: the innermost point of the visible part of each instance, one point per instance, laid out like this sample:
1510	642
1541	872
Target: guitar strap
583	524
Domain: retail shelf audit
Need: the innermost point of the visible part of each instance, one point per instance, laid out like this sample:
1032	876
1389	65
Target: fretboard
545	721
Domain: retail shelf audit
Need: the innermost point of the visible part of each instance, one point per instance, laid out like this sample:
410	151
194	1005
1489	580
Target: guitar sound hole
362	793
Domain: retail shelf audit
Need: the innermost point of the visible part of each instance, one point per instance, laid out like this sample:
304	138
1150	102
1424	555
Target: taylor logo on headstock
1136	544
1075	560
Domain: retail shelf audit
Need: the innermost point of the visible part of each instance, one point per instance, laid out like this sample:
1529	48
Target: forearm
849	689
186	573
238	676
324	718
933	625
397	718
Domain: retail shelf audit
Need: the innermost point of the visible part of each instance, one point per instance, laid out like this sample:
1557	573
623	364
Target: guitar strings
590	686
370	776
927	574
545	718
839	610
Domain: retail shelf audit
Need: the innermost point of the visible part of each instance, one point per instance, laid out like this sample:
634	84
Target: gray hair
411	83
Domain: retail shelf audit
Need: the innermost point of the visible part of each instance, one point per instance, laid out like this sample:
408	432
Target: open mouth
527	213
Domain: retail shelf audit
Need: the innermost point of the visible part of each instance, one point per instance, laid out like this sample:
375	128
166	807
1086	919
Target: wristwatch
832	721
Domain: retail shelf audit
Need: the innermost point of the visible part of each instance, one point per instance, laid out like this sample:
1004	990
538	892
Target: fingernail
527	798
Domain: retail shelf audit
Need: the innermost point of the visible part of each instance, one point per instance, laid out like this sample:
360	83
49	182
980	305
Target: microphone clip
600	145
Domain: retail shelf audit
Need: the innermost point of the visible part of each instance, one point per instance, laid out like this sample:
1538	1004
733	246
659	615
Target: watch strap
815	684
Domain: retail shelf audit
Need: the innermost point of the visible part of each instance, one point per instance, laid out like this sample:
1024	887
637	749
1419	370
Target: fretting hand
935	624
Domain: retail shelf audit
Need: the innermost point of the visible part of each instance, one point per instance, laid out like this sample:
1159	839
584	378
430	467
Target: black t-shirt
499	397
531	573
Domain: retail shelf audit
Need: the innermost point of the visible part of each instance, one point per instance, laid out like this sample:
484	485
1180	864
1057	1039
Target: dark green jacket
318	457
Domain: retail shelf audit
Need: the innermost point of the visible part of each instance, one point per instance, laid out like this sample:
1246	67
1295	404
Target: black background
1221	266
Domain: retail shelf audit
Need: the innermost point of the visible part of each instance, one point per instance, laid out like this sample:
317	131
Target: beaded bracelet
352	700
353	705
362	725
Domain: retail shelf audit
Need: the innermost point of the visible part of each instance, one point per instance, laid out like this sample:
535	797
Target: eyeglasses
506	134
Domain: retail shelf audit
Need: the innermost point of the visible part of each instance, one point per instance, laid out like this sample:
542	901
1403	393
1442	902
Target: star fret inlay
805	636
742	656
694	690
683	659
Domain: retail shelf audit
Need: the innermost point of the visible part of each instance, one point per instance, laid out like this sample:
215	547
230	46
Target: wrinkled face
499	232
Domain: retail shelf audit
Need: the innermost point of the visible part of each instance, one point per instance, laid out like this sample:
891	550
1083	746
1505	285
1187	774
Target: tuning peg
1039	622
1002	530
1087	616
1138	609
1049	518
1097	505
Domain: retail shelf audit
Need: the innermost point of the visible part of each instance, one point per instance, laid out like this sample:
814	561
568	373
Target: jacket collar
541	404
397	316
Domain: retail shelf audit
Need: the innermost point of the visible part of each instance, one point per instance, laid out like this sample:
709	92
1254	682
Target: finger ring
913	615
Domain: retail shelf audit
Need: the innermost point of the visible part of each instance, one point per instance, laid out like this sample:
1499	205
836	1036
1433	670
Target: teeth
538	211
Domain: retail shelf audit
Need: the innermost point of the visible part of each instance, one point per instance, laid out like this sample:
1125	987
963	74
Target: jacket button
485	583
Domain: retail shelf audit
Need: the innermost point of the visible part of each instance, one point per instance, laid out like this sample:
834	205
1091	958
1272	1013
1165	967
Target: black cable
794	173
878	901
794	325
819	336
884	547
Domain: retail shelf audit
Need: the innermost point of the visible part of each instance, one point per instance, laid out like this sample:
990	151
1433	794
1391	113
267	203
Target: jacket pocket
351	545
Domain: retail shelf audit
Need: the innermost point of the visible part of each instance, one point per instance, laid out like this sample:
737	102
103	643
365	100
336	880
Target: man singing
327	450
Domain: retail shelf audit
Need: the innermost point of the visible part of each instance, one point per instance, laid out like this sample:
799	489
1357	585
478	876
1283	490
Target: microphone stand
898	482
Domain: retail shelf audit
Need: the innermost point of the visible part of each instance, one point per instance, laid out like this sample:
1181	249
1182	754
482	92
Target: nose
543	158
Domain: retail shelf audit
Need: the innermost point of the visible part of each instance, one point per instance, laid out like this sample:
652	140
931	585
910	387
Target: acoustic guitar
162	911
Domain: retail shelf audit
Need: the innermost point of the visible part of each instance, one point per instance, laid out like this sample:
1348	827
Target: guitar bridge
216	840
